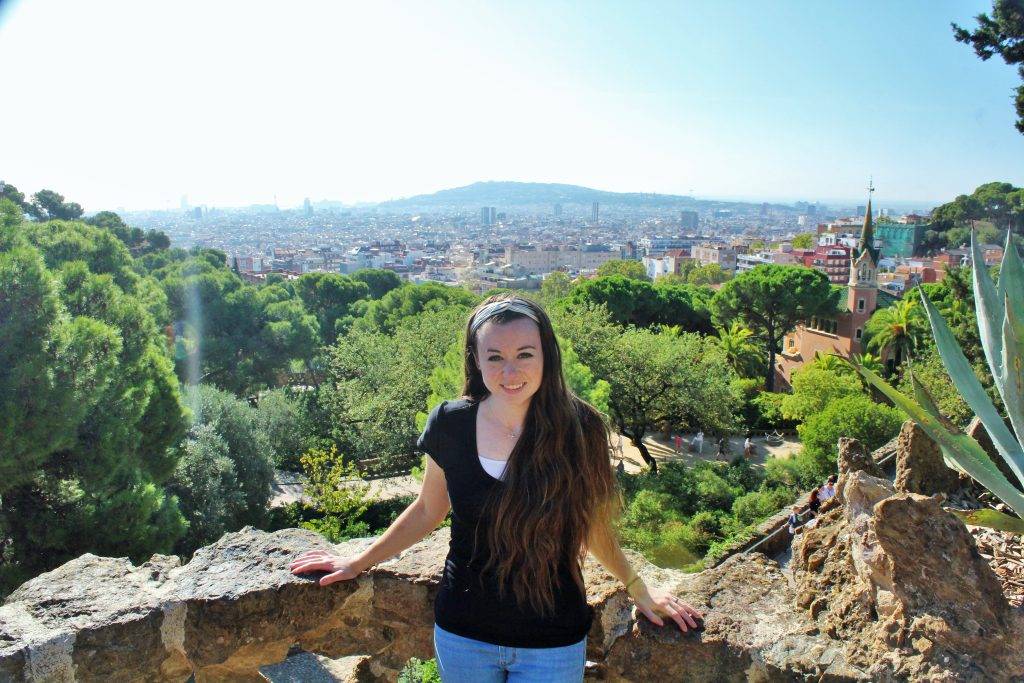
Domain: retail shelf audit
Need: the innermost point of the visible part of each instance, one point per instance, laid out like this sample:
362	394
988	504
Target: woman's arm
603	544
415	522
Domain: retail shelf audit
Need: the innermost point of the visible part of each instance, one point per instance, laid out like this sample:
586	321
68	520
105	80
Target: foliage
855	416
329	296
378	280
283	416
420	671
1000	203
770	300
633	270
377	383
804	240
928	370
637	302
248	447
742	353
1000	312
384	315
333	488
814	388
48	205
665	379
707	274
237	336
1000	34
556	285
89	405
900	327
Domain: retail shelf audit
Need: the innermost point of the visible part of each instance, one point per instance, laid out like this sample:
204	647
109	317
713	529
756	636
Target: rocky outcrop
854	457
886	586
900	582
920	467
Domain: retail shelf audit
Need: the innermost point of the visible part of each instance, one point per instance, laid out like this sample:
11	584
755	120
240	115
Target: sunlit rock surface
888	586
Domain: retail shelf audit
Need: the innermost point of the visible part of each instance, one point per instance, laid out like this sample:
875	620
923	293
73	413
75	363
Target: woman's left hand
653	602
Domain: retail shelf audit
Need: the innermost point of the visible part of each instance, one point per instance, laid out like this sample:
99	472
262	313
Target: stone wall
888	586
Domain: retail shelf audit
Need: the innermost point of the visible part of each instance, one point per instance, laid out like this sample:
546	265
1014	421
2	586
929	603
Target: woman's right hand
338	568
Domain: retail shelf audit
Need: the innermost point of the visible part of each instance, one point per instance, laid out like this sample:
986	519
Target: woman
524	466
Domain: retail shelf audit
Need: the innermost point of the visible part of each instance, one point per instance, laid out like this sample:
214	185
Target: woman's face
510	359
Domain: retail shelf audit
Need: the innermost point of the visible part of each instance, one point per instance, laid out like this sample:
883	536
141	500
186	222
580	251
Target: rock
977	431
900	582
853	457
920	467
307	667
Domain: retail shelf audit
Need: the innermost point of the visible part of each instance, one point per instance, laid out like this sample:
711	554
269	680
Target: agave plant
1000	314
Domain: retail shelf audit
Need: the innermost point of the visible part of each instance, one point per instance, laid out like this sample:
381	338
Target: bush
858	417
754	507
420	671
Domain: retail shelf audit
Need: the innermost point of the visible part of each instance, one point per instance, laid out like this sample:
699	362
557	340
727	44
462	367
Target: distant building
842	332
197	213
745	262
537	260
688	220
488	215
831	259
308	206
900	239
716	253
650	246
860	211
558	210
594	212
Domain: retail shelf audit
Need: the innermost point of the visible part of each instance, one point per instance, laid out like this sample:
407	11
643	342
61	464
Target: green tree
247	446
660	379
771	300
708	274
48	205
814	388
378	382
329	296
637	302
1001	34
626	268
10	193
855	416
556	286
736	341
804	240
283	416
378	280
900	327
337	492
89	406
385	314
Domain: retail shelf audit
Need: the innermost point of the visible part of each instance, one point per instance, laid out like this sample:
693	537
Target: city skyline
236	104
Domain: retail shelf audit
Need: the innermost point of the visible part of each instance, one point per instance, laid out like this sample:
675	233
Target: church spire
867	233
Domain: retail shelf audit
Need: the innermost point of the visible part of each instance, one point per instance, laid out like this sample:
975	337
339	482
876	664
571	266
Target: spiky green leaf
971	457
973	393
993	519
989	306
928	403
1013	369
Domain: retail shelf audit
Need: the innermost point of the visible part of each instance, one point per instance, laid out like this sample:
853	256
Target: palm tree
900	327
743	355
869	361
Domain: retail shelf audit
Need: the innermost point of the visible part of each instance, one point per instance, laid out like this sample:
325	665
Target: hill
516	195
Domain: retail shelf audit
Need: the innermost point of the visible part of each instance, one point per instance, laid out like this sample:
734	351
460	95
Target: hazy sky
136	103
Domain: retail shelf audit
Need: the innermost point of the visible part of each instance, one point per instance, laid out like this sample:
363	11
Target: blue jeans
465	660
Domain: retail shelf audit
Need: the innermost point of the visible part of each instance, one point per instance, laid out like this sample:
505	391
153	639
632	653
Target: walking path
662	450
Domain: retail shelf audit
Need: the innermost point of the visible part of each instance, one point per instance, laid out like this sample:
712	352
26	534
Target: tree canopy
770	300
1000	34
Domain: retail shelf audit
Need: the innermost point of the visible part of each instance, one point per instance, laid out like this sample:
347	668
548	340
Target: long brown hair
558	485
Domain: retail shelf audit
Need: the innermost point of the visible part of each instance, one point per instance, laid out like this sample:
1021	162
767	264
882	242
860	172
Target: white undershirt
495	468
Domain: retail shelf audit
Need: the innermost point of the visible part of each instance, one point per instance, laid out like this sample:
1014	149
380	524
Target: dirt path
663	451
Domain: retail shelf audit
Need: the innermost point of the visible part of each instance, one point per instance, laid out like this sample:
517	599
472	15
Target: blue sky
133	104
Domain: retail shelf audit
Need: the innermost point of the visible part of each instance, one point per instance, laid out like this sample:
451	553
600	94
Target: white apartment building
538	260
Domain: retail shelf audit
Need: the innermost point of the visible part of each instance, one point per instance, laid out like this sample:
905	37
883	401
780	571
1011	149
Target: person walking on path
522	463
698	443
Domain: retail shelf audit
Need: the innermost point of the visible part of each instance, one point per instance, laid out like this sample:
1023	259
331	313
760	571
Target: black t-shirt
468	604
